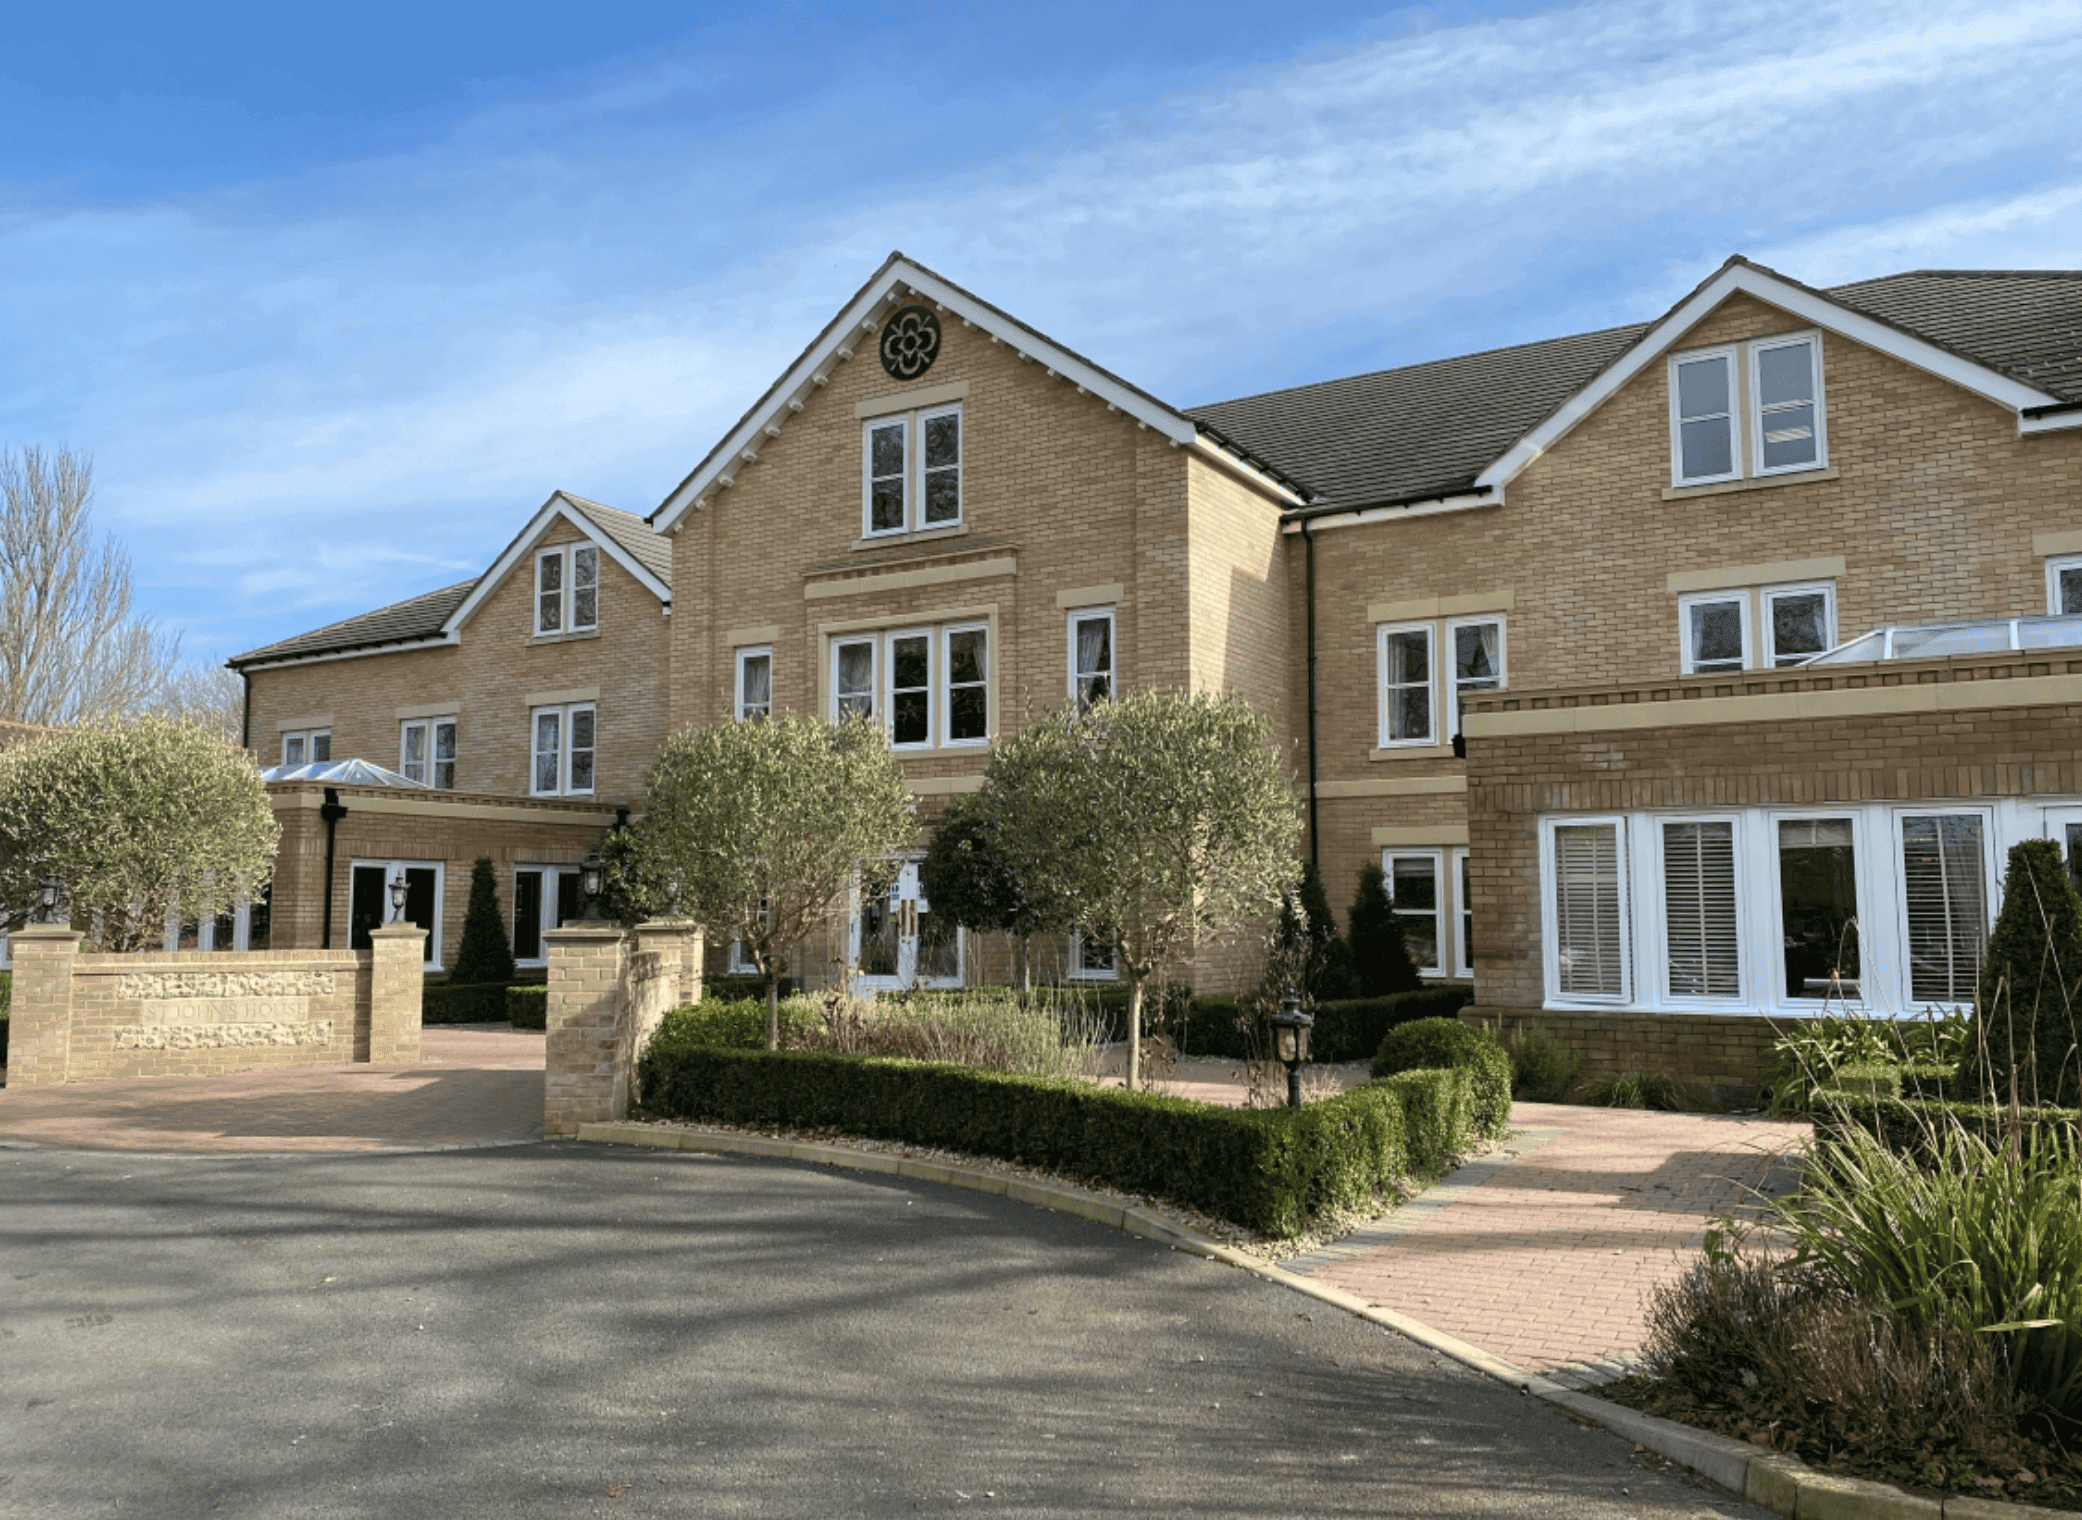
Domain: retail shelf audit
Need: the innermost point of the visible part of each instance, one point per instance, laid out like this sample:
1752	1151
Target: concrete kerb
1776	1482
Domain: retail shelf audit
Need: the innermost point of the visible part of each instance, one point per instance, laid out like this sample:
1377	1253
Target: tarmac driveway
566	1330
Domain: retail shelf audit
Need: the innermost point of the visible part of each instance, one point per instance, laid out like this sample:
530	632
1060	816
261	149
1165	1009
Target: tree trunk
773	1009
1134	1032
1026	971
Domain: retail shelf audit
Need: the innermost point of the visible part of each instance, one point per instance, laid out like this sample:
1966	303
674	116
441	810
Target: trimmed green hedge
731	989
1906	1125
1346	1030
527	1007
1269	1169
1426	1043
733	1024
467	1003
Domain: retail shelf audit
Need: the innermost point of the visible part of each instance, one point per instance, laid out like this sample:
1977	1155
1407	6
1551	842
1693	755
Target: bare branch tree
211	695
71	649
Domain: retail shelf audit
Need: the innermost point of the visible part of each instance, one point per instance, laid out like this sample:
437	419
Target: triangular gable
1810	306
516	553
897	282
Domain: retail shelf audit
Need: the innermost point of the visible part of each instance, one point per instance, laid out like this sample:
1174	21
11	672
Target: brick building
974	521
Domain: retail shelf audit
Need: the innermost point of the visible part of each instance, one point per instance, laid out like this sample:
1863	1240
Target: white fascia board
1816	310
850	331
518	550
404	647
1362	515
1244	470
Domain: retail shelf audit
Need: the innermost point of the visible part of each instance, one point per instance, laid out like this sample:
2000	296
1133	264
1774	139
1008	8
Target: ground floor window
1883	907
1428	891
368	902
1093	957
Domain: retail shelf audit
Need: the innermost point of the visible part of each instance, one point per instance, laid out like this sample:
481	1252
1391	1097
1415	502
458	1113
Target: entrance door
898	941
2064	828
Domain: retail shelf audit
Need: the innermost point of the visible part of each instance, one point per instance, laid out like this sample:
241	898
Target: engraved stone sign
201	1010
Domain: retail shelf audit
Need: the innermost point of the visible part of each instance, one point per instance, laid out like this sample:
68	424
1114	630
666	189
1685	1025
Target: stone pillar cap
398	929
584	931
47	931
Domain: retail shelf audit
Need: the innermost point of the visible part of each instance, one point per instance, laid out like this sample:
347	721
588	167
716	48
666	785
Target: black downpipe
246	721
1308	545
332	813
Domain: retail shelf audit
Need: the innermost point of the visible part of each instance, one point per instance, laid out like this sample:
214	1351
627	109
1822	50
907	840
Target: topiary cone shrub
1380	958
2025	1018
484	954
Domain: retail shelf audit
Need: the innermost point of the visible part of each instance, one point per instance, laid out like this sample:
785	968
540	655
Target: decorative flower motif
910	342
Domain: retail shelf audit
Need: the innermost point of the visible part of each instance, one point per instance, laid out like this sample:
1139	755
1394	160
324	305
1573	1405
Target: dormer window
567	589
1747	410
911	472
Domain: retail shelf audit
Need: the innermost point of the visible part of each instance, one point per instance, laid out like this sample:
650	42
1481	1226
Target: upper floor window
1410	657
912	472
426	752
1748	409
1796	623
307	746
927	686
567	589
755	684
2064	585
1091	656
563	749
1406	686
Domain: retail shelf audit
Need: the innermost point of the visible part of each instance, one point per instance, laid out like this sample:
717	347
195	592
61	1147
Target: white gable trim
556	507
1815	309
853	331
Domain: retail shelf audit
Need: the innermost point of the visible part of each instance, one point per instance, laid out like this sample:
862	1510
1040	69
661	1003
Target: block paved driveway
556	1329
475	1085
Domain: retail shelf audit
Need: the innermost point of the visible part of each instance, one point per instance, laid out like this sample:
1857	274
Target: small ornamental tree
484	954
1308	933
1161	819
2028	1004
141	823
767	828
968	878
1380	957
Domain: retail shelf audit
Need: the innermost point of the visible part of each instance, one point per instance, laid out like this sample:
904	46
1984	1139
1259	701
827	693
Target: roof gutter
1419	504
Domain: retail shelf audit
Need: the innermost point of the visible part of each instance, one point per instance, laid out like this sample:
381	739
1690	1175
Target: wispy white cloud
316	395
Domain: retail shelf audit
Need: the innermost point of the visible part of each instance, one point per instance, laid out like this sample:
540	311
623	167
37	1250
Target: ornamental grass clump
1050	1033
1638	1089
1811	1055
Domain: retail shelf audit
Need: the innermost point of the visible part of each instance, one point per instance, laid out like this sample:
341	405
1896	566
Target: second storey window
564	741
1405	657
1716	632
2064	585
426	752
307	746
1793	623
755	684
927	686
567	589
1091	656
1478	662
912	472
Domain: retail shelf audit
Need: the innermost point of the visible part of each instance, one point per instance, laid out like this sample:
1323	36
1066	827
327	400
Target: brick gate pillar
580	1083
39	1021
397	977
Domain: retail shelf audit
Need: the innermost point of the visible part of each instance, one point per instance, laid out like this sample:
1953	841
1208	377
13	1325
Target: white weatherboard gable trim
523	548
848	332
1819	311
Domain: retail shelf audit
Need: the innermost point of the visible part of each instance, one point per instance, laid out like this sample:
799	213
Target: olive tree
1164	820
140	824
765	828
968	877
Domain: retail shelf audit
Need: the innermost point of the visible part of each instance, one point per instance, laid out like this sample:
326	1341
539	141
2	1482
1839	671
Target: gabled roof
416	620
899	280
622	536
1467	425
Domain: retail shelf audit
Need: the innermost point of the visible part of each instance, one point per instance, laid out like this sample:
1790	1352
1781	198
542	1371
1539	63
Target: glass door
898	941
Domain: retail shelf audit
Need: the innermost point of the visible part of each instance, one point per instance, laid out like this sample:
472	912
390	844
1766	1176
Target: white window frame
567	590
886	696
1451	661
1754	403
1074	969
1651	930
565	712
1550	963
1457	864
1875	870
938	637
1442	902
546	909
1991	883
309	738
390	871
920	421
1687	655
744	655
1728	356
2054	565
877	708
902	422
912	425
431	728
944	687
1382	634
1113	651
1767	629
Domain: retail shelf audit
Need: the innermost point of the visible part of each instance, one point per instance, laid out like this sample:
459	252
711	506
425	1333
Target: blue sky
336	298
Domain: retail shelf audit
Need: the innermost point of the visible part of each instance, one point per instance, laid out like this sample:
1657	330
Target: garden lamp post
397	898
1290	1027
47	898
591	877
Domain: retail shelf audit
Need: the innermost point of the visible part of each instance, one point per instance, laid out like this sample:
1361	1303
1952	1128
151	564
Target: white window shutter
1589	911
1943	880
1699	910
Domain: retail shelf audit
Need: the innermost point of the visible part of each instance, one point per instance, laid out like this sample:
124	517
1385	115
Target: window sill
563	638
1412	752
1752	483
921	536
929	751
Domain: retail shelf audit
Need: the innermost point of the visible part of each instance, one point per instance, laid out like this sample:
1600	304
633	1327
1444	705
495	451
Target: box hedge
462	1003
527	1007
1349	1029
1269	1169
1426	1043
1908	1126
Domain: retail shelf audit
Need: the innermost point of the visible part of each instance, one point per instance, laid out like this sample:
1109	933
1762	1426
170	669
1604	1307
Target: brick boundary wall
607	993
1718	1056
86	1018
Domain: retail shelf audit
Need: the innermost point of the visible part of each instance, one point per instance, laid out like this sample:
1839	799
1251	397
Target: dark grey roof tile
418	617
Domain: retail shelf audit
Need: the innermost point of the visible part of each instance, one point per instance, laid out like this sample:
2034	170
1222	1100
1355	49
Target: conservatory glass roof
1928	641
340	773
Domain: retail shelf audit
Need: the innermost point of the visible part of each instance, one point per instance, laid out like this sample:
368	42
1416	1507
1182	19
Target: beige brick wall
488	677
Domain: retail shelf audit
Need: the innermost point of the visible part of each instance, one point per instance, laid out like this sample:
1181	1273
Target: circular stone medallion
910	342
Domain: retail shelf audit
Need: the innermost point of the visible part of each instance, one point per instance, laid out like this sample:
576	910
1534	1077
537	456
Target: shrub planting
483	956
527	1007
1346	1030
1431	1043
1542	1067
1380	958
1809	1055
465	1003
2024	1043
1637	1089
